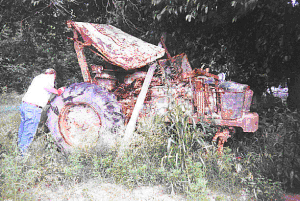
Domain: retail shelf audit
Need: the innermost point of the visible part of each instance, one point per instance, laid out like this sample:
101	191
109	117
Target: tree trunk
293	99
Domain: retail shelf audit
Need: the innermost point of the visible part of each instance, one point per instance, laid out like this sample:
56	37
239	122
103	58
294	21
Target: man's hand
61	90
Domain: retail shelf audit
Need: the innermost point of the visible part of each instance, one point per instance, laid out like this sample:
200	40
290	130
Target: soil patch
98	190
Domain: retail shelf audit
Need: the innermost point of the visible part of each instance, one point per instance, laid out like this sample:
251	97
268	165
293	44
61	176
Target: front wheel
85	116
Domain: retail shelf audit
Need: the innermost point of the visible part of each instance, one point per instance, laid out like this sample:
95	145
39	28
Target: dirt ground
99	190
104	191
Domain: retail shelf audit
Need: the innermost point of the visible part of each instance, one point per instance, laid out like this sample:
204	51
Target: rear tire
85	117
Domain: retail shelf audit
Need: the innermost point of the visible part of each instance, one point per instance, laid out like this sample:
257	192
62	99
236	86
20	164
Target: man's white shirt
36	93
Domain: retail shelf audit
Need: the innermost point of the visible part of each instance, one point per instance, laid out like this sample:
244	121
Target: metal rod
81	59
138	106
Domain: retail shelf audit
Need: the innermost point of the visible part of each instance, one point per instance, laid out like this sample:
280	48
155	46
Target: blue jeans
30	118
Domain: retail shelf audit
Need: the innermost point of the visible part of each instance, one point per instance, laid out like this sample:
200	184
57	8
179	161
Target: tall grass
178	155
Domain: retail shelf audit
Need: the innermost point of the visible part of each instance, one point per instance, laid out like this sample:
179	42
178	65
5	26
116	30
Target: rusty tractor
83	115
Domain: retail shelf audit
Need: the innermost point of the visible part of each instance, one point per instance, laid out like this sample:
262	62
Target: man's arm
52	90
56	91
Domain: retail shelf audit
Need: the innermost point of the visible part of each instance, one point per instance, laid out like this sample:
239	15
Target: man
33	101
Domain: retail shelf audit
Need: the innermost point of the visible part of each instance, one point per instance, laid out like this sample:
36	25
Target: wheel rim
79	125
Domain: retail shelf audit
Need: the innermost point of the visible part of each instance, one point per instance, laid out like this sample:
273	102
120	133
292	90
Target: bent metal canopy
118	47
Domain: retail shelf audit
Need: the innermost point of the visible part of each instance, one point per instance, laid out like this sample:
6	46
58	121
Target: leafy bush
272	153
277	146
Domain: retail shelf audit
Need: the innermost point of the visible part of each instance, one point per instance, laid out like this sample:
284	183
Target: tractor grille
204	99
199	98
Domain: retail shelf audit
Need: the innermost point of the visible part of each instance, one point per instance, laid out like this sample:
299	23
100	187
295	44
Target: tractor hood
116	46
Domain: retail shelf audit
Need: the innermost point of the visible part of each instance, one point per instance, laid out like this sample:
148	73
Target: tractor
132	84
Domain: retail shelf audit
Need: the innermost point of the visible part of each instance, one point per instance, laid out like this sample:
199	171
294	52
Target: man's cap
50	71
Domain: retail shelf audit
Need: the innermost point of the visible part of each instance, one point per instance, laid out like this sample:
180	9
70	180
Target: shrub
277	146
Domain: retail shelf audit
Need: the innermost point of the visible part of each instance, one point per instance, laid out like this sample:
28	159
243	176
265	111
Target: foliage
277	145
217	12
